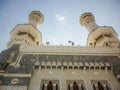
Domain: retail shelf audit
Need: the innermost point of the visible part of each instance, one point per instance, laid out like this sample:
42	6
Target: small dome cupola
36	18
87	20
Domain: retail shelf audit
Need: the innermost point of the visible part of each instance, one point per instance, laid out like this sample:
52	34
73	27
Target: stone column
71	87
96	87
88	85
62	82
54	86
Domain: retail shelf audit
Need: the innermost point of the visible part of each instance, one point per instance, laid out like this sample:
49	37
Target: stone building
27	64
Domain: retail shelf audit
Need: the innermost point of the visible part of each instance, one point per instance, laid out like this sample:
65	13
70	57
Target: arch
100	86
68	87
94	88
50	86
43	86
56	86
75	86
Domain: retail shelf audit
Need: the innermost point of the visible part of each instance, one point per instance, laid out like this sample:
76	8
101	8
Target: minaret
36	18
87	20
28	34
100	36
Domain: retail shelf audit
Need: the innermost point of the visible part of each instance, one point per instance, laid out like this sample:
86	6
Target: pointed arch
68	87
94	88
75	86
43	86
100	86
50	86
56	86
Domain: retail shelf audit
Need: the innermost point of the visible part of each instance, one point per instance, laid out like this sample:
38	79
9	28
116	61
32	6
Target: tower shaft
27	34
100	36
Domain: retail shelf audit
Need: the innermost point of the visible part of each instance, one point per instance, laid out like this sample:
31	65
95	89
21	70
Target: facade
27	64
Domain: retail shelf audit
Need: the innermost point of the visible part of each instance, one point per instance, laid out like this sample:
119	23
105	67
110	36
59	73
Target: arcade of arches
74	85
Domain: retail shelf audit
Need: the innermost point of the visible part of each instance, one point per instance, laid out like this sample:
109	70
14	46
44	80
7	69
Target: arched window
75	86
43	86
100	86
50	86
68	87
56	86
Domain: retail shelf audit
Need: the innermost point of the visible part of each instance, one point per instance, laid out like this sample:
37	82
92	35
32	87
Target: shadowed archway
75	86
43	86
50	86
68	86
100	86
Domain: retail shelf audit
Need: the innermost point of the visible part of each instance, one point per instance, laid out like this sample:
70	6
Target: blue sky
61	18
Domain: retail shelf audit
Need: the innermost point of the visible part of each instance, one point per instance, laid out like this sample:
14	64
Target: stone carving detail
104	83
8	55
27	61
23	81
79	84
45	82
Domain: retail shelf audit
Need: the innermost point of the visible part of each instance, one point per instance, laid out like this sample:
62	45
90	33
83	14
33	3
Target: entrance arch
50	86
100	86
43	86
75	86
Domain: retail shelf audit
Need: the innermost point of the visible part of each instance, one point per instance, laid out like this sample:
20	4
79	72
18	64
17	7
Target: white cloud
60	18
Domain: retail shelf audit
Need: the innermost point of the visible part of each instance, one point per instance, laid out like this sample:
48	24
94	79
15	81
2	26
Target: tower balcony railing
21	40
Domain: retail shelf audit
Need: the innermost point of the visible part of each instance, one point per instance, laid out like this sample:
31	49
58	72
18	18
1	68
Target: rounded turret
36	18
87	20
